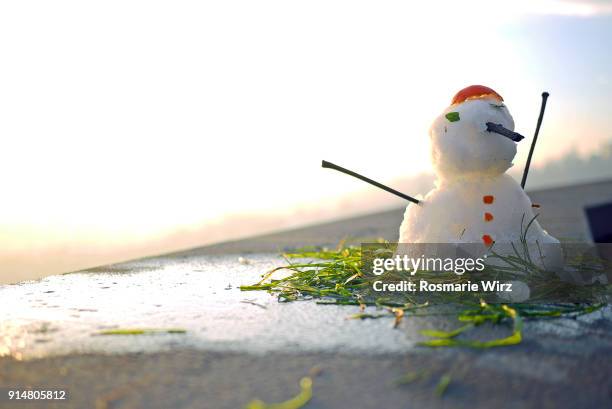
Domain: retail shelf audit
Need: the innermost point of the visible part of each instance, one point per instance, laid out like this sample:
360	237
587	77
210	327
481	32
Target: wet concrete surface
67	314
243	345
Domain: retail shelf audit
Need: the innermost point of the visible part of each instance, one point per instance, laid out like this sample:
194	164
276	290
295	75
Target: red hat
475	92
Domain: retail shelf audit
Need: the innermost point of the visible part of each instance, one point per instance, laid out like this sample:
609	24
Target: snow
470	163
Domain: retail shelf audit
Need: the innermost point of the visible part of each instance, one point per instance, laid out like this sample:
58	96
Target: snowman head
474	135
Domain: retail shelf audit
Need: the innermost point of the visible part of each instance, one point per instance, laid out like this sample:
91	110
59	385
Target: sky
138	127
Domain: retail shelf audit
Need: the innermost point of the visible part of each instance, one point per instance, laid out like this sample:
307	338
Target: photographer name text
426	286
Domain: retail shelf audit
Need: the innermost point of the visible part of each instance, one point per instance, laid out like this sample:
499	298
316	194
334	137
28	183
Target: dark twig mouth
498	128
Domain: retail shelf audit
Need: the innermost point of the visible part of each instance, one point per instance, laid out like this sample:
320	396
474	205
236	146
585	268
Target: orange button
487	240
488	199
488	217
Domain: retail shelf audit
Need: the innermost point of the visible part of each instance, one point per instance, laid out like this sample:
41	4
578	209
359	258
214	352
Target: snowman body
474	200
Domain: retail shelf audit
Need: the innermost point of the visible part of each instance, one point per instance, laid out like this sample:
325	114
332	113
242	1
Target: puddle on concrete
62	314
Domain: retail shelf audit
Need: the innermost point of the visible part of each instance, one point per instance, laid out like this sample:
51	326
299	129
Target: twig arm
535	138
330	165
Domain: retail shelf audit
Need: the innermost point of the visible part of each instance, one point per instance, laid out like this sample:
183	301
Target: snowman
475	204
474	200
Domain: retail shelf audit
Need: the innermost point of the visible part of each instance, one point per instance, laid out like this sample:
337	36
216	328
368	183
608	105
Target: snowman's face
461	144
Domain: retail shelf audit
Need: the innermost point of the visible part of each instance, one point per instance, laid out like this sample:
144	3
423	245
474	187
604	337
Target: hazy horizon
568	170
